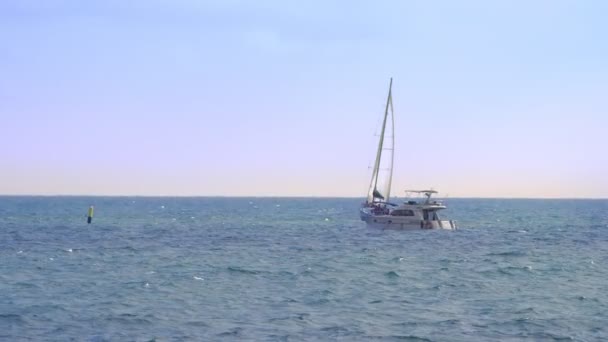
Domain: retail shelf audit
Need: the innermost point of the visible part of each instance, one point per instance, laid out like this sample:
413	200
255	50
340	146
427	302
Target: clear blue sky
145	97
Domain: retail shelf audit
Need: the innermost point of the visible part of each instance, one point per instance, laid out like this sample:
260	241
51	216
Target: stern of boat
438	224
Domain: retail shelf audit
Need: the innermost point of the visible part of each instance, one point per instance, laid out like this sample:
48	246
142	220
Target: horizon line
290	196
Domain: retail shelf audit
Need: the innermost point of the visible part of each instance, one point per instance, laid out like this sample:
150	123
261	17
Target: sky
284	98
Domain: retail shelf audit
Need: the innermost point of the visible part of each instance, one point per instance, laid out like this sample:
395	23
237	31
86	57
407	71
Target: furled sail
382	174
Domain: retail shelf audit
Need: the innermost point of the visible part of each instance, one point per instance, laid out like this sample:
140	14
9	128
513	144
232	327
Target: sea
299	269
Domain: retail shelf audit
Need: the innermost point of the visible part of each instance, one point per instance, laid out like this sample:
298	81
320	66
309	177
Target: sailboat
378	211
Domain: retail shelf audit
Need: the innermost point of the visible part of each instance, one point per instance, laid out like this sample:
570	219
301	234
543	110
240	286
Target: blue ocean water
281	269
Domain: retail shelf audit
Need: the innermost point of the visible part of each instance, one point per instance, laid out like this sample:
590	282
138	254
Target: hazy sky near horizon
262	98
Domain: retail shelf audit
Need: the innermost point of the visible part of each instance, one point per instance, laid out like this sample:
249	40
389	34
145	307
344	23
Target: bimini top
427	194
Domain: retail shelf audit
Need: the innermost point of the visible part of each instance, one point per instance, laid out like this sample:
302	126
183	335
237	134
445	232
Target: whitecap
162	207
198	278
69	250
19	252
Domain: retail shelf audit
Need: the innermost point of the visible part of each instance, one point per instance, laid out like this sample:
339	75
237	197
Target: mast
373	191
390	174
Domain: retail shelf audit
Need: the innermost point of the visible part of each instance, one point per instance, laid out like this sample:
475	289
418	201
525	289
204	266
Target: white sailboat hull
403	223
